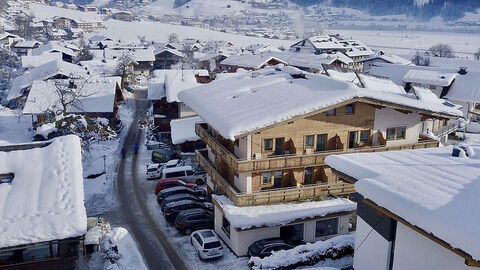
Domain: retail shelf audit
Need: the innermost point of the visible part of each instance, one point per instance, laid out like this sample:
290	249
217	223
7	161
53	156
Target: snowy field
15	128
397	42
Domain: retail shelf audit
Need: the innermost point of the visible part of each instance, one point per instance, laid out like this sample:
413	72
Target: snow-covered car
154	171
207	244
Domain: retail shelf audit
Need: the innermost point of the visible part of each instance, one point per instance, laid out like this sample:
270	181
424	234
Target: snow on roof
44	72
279	214
174	81
52	46
156	88
455	63
250	60
254	100
325	42
44	202
429	188
303	60
380	84
27	44
429	77
31	61
42	12
183	130
98	96
172	51
390	58
137	54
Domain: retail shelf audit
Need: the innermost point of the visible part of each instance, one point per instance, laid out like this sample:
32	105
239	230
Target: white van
184	173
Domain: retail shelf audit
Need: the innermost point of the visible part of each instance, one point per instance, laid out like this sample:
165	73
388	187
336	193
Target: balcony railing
293	160
279	195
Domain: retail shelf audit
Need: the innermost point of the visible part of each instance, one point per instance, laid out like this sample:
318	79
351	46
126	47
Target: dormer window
6	178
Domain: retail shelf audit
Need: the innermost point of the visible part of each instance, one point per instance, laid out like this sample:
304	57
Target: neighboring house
52	70
415	208
100	42
184	136
166	57
24	47
7	39
269	131
31	61
54	47
382	57
142	58
123	16
98	97
45	233
163	91
210	61
57	34
314	63
249	62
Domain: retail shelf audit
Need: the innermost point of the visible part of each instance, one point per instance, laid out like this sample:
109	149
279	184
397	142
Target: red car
171	182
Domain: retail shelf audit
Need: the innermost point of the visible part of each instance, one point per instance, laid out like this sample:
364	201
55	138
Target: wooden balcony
280	195
293	160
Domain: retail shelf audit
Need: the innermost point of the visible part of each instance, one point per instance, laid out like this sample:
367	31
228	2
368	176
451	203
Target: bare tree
188	61
441	50
24	27
69	96
124	68
421	59
84	53
142	39
173	38
477	54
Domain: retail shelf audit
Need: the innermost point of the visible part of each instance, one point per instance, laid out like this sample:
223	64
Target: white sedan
207	244
154	171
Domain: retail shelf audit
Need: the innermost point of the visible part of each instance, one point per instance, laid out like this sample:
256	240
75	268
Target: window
308	176
189	172
326	227
321	142
292	232
226	226
198	238
364	136
268	144
210	245
309	141
396	133
330	112
349	109
266	178
353	139
277	179
175	174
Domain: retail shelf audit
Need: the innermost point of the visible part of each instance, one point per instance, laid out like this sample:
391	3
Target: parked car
172	209
264	248
154	171
163	155
171	163
171	182
207	244
181	197
178	190
185	173
194	219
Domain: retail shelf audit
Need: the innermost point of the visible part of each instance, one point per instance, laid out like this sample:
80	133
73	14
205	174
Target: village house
163	91
210	61
52	70
415	207
166	57
268	132
184	136
24	47
142	58
123	16
314	63
382	57
249	62
55	47
7	39
97	97
45	233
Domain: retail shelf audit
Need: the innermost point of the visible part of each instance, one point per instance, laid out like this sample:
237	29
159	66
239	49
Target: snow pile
45	129
437	193
425	94
183	130
279	214
308	254
44	202
253	100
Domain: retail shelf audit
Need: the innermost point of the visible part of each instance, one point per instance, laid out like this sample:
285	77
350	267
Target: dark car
172	209
179	190
171	182
163	155
264	248
194	219
182	197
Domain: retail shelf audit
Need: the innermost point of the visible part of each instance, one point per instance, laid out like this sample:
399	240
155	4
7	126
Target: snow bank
44	201
279	214
437	193
308	254
46	129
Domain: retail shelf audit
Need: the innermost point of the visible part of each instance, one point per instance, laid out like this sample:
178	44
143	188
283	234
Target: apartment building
268	132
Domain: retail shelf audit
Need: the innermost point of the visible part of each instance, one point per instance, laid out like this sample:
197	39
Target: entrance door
279	146
292	232
277	179
353	139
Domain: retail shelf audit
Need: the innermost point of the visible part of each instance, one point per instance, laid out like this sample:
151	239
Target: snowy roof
44	201
137	54
97	96
325	42
250	60
310	60
390	58
27	44
174	81
31	61
437	192
172	51
44	72
432	77
52	46
254	100
279	214
183	130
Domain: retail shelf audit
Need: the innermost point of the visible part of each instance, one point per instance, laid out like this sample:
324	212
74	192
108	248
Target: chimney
71	84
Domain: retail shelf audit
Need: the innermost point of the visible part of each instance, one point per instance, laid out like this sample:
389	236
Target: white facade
374	252
389	118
